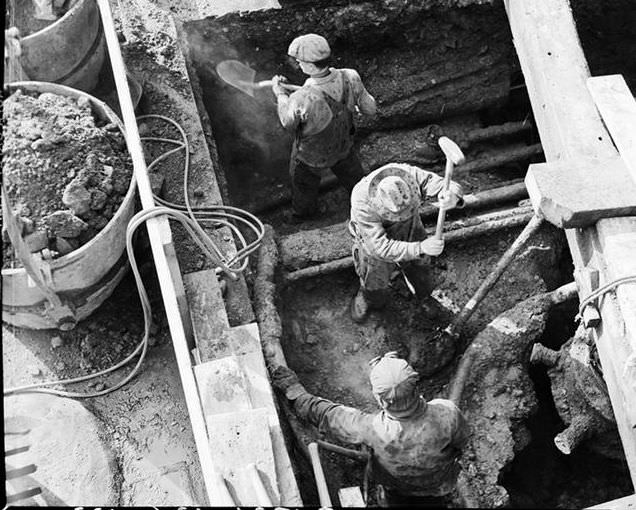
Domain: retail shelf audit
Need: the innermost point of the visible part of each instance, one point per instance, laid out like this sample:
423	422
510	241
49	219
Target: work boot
359	307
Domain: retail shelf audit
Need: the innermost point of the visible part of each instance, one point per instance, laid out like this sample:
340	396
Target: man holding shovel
388	232
416	444
320	114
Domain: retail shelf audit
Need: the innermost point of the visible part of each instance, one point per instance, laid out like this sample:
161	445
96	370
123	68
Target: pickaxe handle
454	156
321	482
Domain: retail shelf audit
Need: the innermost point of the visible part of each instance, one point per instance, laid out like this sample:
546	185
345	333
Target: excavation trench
435	68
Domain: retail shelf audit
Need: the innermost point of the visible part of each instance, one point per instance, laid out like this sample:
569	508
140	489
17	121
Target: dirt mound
65	172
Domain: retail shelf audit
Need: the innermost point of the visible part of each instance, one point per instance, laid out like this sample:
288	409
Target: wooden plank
207	311
351	497
222	386
617	107
215	492
626	503
556	73
604	189
238	439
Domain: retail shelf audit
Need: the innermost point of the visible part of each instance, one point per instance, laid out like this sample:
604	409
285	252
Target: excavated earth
65	172
429	63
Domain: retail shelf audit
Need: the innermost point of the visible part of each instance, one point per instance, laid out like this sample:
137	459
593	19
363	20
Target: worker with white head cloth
321	115
415	444
387	230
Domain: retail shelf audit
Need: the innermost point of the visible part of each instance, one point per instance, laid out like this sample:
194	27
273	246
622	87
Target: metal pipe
502	158
454	234
340	450
581	427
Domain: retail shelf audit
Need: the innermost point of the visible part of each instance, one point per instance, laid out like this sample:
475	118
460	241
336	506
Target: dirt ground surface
146	425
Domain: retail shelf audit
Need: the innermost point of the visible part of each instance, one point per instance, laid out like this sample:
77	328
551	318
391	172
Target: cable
218	216
603	290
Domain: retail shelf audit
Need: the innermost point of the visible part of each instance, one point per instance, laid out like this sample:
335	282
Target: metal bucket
83	278
69	51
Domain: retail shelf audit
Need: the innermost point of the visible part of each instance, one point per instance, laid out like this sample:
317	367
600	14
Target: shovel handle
269	83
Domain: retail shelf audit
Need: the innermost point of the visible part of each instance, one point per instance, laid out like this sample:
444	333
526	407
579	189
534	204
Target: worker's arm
336	420
431	184
368	226
340	422
287	106
363	100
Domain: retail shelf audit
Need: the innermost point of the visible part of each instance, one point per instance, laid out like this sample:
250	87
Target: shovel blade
238	75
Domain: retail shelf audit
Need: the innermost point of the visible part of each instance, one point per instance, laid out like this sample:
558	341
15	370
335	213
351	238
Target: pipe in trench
502	158
513	218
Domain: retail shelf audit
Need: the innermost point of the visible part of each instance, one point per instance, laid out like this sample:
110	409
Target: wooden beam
626	503
158	230
570	127
617	107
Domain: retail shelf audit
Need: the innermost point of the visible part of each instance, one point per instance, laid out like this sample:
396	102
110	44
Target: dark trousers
305	181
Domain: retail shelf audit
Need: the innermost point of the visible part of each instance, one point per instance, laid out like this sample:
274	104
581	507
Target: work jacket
386	240
414	455
337	95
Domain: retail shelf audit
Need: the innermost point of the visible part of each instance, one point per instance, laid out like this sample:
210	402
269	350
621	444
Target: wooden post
556	73
159	234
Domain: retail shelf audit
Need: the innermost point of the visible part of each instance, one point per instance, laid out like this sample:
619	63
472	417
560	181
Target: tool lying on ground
241	76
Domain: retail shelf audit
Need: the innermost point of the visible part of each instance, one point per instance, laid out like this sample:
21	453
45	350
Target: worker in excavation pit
321	114
388	233
415	444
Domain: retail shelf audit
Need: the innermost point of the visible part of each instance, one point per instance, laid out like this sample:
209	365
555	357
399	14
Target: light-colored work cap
392	192
393	379
309	48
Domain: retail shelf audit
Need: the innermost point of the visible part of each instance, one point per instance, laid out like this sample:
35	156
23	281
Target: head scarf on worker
393	382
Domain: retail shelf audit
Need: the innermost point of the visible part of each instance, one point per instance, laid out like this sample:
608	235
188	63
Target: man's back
418	455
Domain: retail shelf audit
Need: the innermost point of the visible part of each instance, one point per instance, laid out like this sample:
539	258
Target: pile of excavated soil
65	172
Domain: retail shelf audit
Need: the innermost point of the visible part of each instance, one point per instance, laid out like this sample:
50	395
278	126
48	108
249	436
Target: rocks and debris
64	173
56	342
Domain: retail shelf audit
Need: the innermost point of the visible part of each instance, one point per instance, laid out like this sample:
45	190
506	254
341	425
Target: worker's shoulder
443	405
352	74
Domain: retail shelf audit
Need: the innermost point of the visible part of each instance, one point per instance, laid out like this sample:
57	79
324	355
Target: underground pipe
581	427
544	301
455	233
502	158
543	355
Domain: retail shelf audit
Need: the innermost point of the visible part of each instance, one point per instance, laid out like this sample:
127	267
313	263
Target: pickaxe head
451	150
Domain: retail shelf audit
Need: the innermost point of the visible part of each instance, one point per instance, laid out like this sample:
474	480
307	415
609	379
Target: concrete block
222	386
236	440
351	497
577	193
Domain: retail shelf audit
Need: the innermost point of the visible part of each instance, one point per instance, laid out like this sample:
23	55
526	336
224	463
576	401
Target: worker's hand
285	380
447	200
432	247
277	89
